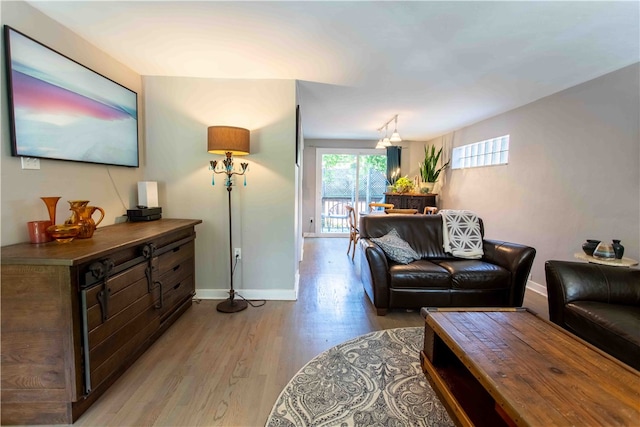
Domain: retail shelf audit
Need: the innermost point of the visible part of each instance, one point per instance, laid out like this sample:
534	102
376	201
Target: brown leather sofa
438	279
598	303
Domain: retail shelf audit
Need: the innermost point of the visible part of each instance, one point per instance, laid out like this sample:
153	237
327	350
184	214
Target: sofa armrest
515	258
374	273
569	281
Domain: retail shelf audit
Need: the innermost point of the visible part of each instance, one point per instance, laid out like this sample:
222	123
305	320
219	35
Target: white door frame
318	197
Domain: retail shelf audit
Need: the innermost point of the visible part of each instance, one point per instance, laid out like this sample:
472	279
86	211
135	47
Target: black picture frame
298	135
62	110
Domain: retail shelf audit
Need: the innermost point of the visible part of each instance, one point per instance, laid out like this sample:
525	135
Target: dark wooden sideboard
411	201
75	316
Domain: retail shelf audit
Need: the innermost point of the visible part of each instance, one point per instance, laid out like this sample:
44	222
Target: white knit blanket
461	233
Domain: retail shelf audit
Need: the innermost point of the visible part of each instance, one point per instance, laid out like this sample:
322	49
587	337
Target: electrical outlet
30	163
237	253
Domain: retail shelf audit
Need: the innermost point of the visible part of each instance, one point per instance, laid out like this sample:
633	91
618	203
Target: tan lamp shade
228	139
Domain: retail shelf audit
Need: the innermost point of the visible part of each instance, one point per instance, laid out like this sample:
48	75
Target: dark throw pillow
396	248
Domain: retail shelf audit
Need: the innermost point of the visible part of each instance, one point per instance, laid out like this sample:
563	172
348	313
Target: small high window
489	152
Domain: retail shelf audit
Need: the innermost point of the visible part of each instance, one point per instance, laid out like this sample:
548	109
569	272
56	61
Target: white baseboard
251	294
331	236
292	294
537	288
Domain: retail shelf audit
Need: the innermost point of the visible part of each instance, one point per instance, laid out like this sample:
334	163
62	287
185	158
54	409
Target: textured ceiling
439	65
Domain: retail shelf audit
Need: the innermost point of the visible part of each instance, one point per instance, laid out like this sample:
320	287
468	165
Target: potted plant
429	170
403	185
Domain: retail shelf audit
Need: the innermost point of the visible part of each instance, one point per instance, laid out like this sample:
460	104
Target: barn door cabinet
76	315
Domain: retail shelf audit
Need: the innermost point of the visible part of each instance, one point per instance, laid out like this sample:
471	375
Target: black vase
589	246
618	249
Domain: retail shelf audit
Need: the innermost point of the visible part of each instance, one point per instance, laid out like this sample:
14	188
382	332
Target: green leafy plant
403	185
429	171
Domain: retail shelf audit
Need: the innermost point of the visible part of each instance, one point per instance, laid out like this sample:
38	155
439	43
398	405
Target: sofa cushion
421	274
614	328
422	232
593	282
475	274
396	248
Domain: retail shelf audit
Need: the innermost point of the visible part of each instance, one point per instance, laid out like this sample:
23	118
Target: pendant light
386	142
380	145
395	136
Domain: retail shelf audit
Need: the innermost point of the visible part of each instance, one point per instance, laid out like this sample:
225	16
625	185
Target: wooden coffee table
509	367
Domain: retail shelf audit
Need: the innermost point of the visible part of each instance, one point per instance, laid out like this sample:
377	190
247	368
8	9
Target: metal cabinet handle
101	270
161	304
103	299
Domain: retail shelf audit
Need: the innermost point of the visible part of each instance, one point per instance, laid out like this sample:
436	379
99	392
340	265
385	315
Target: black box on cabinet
145	214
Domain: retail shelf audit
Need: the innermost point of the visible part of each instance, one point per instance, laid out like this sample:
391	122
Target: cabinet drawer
169	260
177	294
176	274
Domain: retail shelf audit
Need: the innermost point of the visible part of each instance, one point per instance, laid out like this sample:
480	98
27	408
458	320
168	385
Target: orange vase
51	203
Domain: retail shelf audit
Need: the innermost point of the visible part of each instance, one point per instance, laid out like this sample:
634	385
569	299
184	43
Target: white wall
573	172
22	189
178	111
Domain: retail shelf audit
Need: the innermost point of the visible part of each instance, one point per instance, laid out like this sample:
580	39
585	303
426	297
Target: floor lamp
230	141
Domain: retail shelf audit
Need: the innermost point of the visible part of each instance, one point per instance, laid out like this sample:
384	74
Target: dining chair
354	233
402	211
430	210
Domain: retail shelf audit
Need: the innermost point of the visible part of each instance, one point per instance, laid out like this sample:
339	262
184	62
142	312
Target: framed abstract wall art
60	109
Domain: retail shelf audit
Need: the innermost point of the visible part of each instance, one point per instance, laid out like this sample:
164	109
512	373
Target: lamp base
232	306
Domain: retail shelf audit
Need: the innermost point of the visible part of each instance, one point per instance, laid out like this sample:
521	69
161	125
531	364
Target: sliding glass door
347	177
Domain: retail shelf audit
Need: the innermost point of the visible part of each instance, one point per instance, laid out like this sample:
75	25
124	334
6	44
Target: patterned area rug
372	380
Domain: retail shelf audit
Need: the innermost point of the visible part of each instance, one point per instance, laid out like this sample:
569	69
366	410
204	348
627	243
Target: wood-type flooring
215	369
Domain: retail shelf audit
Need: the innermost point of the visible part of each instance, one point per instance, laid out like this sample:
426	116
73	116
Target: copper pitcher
73	219
84	215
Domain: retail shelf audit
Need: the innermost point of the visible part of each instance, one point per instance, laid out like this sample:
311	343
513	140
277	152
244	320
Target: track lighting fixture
386	141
